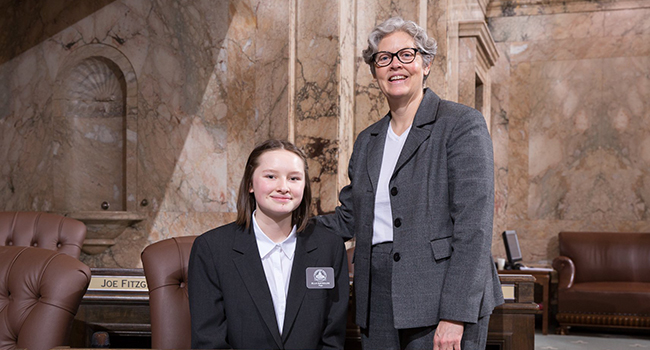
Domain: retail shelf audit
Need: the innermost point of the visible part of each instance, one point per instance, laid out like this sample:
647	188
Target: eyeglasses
384	58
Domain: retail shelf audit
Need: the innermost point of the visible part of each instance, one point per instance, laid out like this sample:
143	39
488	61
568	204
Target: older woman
420	204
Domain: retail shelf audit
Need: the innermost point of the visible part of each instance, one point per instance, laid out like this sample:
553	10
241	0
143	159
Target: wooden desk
542	278
512	325
123	314
126	314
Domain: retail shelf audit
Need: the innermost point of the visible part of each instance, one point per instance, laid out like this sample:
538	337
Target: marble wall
572	92
201	82
210	79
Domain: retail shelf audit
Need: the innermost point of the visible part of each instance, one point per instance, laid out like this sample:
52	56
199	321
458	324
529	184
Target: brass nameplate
118	283
508	291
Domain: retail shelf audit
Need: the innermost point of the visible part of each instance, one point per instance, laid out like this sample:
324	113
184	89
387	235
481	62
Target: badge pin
320	278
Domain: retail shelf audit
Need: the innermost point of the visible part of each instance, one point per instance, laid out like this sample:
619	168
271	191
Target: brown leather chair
42	230
165	267
40	291
603	280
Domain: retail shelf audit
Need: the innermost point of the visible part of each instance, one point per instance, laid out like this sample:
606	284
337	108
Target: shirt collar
401	137
265	245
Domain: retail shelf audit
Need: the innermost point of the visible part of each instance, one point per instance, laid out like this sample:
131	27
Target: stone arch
95	110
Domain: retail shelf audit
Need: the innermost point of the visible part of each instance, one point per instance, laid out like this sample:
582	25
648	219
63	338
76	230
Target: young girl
271	279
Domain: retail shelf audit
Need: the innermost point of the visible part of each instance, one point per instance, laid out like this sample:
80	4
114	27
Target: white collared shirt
277	260
382	224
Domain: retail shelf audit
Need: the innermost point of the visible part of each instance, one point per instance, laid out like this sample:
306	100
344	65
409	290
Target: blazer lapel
304	257
376	150
421	129
251	271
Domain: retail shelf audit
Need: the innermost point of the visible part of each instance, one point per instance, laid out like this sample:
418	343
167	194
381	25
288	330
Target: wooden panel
512	325
125	314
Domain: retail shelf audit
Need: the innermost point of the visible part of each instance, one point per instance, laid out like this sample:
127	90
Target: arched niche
94	143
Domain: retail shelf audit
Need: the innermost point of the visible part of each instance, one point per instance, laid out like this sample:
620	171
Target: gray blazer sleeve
471	205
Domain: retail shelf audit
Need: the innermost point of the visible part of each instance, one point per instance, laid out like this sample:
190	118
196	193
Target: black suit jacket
230	301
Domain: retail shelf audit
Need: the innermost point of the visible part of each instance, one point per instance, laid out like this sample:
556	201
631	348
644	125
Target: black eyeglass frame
393	55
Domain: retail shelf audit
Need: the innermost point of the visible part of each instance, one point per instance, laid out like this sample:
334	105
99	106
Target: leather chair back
40	292
42	230
607	256
165	266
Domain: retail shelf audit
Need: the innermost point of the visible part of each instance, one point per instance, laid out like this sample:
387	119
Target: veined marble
578	120
206	81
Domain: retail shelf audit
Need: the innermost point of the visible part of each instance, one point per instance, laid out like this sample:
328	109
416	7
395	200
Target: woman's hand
448	335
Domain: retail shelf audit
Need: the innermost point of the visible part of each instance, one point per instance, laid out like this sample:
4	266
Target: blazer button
398	222
393	191
396	257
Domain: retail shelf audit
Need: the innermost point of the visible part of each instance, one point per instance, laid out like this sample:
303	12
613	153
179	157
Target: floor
585	339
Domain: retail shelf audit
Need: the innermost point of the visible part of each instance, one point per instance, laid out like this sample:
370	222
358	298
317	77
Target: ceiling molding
509	8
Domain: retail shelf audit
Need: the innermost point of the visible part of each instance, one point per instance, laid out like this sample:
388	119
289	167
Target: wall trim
486	46
509	8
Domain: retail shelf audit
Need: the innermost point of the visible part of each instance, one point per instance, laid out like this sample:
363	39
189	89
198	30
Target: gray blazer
442	200
230	301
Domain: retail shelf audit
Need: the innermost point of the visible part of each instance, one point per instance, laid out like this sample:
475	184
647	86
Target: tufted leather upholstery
165	267
603	279
40	291
42	230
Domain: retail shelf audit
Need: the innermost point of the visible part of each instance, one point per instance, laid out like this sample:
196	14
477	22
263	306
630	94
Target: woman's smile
397	78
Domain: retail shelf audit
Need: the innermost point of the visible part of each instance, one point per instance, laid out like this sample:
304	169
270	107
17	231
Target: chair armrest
566	271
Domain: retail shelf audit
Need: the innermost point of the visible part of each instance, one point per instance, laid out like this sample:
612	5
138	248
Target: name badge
320	278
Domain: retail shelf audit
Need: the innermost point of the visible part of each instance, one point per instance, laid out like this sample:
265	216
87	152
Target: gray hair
425	45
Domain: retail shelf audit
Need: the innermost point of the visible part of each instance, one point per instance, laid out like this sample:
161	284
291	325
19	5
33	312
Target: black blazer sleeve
209	324
334	333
